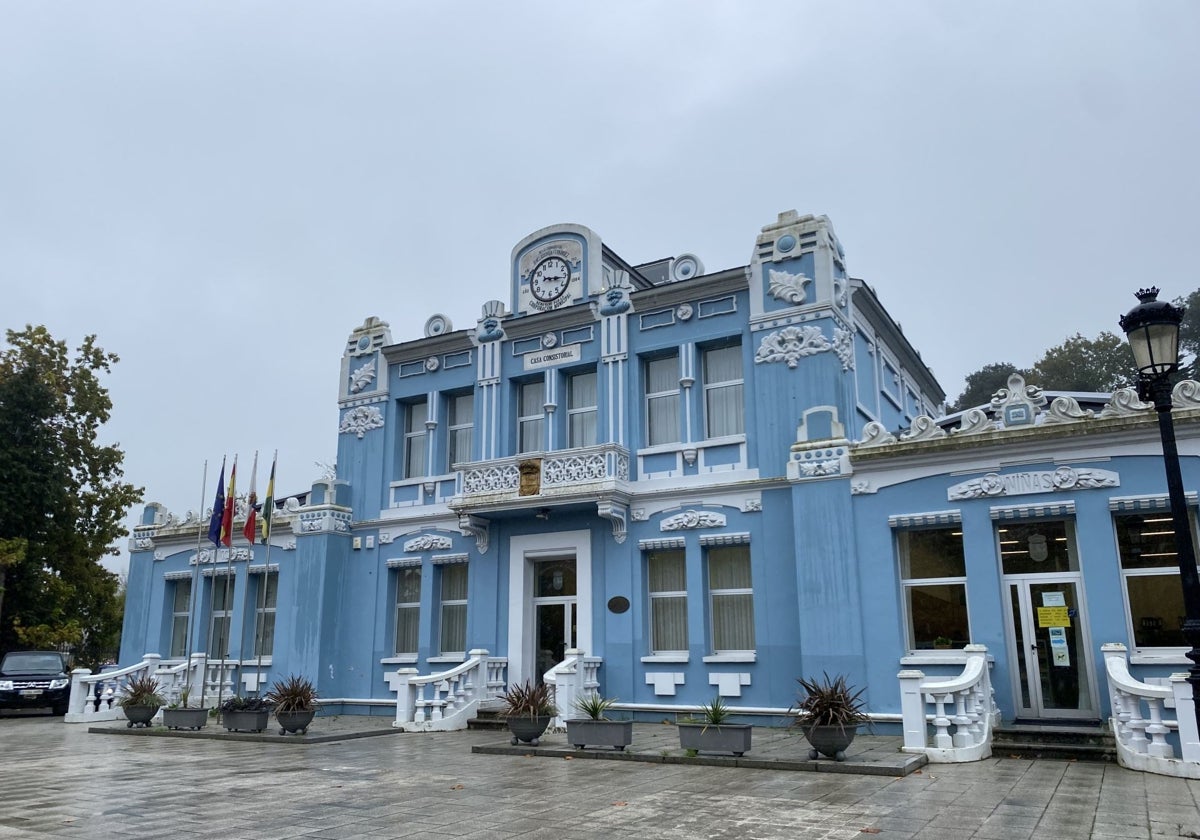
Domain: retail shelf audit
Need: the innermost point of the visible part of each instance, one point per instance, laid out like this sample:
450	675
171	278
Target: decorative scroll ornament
362	377
786	286
861	488
1025	483
923	428
874	434
975	422
843	346
1186	394
386	538
692	519
839	292
429	542
358	421
1065	410
1018	404
791	344
1124	402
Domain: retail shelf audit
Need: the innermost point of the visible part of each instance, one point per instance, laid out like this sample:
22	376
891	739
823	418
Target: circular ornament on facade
683	312
618	604
436	325
549	340
432	364
364	342
786	243
685	267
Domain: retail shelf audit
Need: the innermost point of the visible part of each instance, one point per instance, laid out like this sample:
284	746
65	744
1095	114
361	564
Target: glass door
1048	639
555	614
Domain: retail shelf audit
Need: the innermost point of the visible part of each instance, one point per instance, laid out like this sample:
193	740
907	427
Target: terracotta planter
708	737
242	721
139	715
528	729
830	741
297	721
617	734
185	718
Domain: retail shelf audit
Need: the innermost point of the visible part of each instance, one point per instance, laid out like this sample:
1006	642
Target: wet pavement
60	780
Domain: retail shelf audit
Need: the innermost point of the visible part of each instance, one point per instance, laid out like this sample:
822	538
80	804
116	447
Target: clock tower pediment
555	267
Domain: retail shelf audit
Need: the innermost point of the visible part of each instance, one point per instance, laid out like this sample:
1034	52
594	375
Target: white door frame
1032	670
523	551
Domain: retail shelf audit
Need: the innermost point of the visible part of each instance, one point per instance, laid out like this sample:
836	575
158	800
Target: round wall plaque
618	604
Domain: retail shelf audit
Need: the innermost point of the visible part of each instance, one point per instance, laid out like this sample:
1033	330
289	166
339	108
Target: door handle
1034	648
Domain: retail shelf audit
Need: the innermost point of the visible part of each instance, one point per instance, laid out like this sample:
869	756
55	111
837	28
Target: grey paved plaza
59	780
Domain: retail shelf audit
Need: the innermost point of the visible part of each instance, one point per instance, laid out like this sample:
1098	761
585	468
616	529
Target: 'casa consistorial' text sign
554	357
1027	483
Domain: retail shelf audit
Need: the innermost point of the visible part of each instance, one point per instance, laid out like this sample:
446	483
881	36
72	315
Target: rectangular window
933	577
581	409
1037	547
415	415
408	609
732	599
460	411
1150	572
453	637
264	614
666	573
181	601
221	613
531	410
723	409
662	400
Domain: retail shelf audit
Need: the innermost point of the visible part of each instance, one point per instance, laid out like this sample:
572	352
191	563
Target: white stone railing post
195	679
912	709
87	691
1185	711
405	695
963	715
81	693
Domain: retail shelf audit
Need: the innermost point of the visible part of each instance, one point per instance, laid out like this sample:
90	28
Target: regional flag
230	502
218	511
268	506
248	528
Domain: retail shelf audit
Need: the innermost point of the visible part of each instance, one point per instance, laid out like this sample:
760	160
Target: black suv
33	678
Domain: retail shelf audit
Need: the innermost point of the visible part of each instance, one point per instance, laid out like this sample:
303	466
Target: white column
912	710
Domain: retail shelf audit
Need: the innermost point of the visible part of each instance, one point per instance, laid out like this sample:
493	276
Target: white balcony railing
567	472
1140	721
446	700
963	712
576	676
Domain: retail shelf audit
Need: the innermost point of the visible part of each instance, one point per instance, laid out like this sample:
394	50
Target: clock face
549	279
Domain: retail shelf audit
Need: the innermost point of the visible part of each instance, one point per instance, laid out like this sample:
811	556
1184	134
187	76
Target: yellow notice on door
1053	617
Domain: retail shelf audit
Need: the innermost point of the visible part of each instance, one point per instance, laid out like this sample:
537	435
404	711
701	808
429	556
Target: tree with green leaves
1103	363
984	382
62	498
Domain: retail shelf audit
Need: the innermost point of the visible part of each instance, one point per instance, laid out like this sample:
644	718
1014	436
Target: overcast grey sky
223	191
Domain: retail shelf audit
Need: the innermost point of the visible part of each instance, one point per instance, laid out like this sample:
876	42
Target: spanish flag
248	528
268	505
230	507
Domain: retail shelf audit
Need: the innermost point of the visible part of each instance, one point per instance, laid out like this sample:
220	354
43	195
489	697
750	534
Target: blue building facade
713	482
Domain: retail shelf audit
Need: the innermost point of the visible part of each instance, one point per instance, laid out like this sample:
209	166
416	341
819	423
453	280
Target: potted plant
182	716
712	731
594	728
829	711
528	710
943	643
245	714
295	702
141	700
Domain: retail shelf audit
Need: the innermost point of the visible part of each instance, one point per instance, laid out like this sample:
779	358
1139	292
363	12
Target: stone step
1084	741
487	720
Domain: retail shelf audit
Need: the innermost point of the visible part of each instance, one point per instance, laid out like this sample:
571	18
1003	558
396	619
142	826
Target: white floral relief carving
491	479
429	542
362	377
786	286
358	421
818	468
791	344
692	519
843	346
573	469
752	506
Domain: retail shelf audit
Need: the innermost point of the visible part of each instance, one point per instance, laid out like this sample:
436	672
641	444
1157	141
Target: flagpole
214	536
249	577
230	507
195	576
270	500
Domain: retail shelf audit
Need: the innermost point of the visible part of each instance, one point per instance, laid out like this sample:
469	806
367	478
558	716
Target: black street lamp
1152	328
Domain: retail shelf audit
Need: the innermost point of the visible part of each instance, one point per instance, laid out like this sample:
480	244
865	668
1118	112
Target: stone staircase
487	719
1070	740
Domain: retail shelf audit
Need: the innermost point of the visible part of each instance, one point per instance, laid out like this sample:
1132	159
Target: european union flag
218	513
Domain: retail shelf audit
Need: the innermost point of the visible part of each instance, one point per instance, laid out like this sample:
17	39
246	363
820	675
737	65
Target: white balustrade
94	697
1139	722
964	711
576	676
448	699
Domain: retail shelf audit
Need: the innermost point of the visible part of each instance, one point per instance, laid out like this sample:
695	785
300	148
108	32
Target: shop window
1150	574
933	578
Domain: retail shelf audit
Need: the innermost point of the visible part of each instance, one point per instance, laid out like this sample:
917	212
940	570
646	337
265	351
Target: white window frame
1164	519
444	602
576	411
458	426
534	421
407	606
416	435
713	388
910	583
180	620
714	593
265	612
651	396
656	596
219	583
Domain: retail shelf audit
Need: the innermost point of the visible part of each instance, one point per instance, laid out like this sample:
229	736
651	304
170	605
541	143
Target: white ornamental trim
1033	511
448	559
428	542
692	519
788	287
918	520
791	344
260	569
362	377
1125	504
661	545
358	421
177	576
404	563
1035	481
739	538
